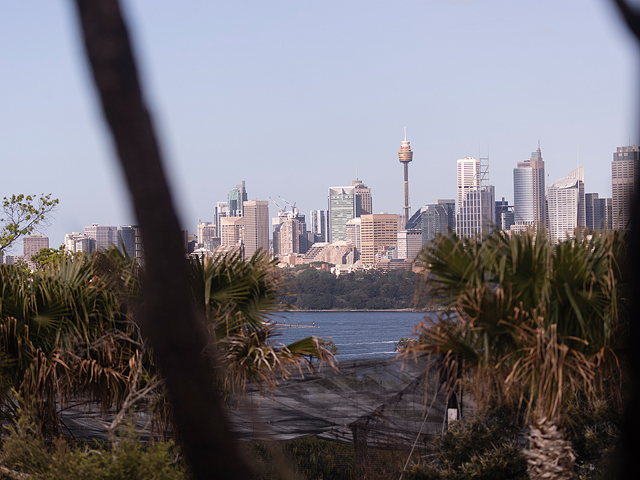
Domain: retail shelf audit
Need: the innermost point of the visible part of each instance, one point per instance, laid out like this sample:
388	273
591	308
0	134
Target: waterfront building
566	206
377	231
104	236
256	226
342	208
235	200
624	172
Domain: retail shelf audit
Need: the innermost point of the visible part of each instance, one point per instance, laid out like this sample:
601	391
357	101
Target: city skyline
313	92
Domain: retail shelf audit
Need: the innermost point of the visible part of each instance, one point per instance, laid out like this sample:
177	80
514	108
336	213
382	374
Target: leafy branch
21	215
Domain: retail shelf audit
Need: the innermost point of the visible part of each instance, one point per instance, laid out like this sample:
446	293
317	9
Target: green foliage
48	256
68	330
482	447
21	216
371	290
25	452
594	431
312	458
536	322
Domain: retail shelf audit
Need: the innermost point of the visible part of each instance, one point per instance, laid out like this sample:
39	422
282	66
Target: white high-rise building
528	192
566	206
475	214
256	226
319	220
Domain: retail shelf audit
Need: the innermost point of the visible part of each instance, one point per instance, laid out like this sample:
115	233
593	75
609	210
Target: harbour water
362	334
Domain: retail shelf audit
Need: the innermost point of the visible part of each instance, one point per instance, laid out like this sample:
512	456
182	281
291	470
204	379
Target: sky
294	97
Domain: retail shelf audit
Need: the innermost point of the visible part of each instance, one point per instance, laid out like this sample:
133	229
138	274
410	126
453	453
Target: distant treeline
311	289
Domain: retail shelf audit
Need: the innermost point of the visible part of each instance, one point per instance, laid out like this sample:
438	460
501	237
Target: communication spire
405	155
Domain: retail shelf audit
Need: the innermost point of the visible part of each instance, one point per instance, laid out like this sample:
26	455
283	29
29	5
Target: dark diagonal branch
170	321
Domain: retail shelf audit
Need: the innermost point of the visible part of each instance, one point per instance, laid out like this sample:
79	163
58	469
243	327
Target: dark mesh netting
376	402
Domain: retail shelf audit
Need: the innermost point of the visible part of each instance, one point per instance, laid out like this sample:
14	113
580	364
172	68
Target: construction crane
293	207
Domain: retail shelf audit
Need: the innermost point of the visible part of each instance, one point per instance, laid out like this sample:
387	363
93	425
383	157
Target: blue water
356	334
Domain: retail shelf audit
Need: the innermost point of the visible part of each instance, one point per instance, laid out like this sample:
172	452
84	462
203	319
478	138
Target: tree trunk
549	455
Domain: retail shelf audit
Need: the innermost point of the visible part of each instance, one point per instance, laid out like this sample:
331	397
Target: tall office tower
207	235
624	170
320	225
32	245
405	155
221	210
303	237
231	231
363	198
79	242
602	215
289	237
236	199
476	212
566	204
256	227
127	240
590	200
409	243
529	190
105	236
354	235
377	231
432	220
342	208
449	204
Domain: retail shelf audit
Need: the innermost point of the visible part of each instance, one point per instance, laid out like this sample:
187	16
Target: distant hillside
372	290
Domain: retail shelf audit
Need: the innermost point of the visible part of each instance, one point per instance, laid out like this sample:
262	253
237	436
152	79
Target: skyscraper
624	170
105	236
529	191
31	245
221	210
231	231
342	208
377	232
256	226
405	155
363	198
236	199
127	240
320	225
566	203
476	198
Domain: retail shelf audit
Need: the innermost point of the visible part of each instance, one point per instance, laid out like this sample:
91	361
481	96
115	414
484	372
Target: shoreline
411	310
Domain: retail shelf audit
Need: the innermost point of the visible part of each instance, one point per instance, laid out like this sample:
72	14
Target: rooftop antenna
578	160
356	171
405	134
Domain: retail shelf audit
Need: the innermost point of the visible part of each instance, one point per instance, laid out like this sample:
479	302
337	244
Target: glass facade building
342	208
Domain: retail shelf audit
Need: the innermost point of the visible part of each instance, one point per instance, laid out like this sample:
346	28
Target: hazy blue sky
291	95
